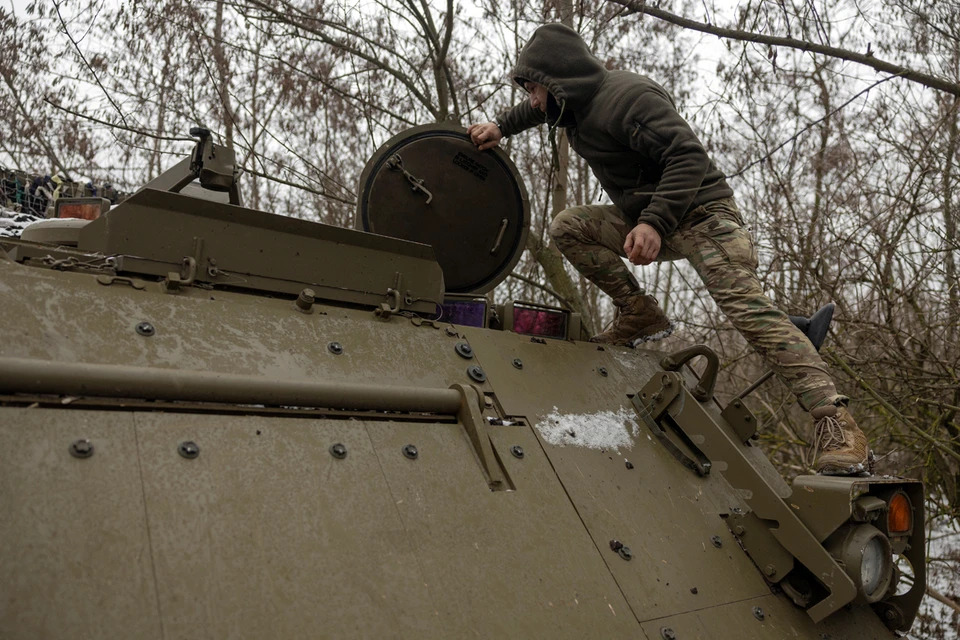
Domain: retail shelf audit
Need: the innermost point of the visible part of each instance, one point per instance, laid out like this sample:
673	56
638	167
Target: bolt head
758	613
739	531
306	299
145	329
517	451
625	553
518	363
411	452
717	541
463	350
335	348
338	451
667	633
476	374
602	371
770	570
188	449
81	448
628	464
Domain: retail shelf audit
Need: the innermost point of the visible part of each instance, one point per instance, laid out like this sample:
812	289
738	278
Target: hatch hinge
665	399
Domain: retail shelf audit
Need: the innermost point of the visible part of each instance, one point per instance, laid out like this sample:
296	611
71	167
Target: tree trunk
547	255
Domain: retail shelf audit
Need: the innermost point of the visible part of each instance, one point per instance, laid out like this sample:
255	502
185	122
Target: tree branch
867	59
534	283
923	435
939	597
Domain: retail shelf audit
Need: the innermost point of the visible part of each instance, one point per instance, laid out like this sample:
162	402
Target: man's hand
486	135
642	245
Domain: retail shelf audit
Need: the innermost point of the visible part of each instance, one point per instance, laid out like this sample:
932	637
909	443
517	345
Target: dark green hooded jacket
625	126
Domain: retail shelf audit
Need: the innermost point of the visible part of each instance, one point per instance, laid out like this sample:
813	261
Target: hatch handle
499	239
395	162
704	389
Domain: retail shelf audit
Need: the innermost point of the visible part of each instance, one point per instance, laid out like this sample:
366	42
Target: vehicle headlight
865	554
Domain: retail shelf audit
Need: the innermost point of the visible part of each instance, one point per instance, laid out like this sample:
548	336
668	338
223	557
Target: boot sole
859	469
654	337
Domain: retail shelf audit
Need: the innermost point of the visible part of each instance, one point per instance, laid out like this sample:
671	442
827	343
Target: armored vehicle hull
202	441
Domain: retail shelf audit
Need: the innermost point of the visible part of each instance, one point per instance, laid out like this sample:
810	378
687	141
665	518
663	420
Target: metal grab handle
703	390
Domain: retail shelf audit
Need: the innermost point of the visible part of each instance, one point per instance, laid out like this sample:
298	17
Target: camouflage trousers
713	238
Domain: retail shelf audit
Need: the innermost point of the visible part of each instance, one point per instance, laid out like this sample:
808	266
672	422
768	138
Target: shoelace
829	435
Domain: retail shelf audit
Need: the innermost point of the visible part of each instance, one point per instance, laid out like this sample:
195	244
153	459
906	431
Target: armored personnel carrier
222	423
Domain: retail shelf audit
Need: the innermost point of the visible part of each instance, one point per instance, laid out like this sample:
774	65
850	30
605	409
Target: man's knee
567	223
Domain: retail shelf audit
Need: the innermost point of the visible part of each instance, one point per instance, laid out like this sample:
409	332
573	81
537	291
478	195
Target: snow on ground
600	430
13	222
935	619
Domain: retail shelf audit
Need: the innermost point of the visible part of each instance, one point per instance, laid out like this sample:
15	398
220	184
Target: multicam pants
713	238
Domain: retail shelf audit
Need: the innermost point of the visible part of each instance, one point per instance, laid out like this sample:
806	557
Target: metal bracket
699	463
476	426
666	394
174	280
395	302
106	281
739	416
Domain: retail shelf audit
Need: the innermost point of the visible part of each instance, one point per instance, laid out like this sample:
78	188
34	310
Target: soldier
670	202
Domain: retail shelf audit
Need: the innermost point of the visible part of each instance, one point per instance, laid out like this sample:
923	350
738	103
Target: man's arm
520	118
488	134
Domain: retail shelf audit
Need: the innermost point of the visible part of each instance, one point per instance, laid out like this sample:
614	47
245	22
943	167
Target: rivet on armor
145	329
81	449
476	374
188	450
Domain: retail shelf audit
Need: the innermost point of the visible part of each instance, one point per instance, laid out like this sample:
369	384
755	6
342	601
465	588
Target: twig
868	59
939	597
536	284
298	186
767	155
66	30
889	407
114	125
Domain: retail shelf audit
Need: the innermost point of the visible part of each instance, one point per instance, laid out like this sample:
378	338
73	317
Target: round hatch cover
431	185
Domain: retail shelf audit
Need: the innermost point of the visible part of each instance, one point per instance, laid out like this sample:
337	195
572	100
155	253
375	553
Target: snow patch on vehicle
600	430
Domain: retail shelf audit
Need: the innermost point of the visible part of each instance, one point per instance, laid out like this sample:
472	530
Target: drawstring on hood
552	137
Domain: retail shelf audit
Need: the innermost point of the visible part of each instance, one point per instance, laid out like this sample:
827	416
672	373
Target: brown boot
638	319
840	443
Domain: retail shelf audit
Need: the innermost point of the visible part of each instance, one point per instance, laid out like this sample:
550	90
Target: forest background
836	120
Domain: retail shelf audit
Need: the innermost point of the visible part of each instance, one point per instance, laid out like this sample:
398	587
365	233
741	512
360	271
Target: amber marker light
899	514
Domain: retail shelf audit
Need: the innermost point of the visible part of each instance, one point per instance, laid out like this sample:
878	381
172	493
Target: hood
558	58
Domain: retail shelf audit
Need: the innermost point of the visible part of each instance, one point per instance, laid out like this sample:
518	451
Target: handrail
704	390
23	375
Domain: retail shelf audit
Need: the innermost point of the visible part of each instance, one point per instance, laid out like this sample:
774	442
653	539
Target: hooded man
670	203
